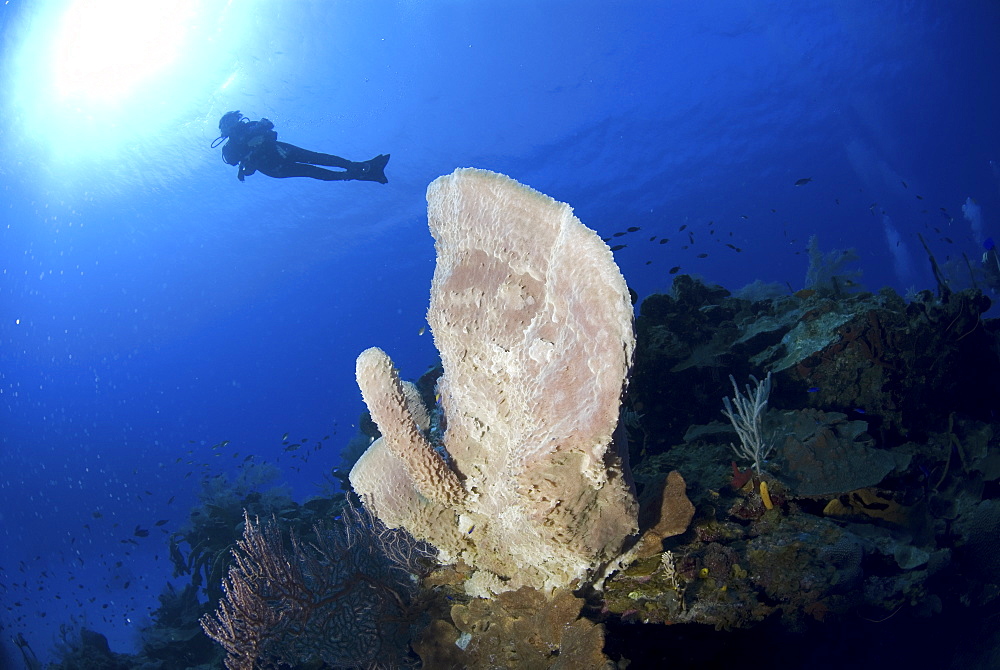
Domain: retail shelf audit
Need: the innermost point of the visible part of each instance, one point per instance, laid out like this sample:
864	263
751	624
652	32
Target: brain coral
533	322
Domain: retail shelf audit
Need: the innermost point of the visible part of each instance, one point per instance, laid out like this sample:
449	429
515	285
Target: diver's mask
226	124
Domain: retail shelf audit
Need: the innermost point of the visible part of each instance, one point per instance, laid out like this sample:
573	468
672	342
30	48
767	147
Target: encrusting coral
517	629
534	325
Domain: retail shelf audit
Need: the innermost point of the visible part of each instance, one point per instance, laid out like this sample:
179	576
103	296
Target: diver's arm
244	171
248	165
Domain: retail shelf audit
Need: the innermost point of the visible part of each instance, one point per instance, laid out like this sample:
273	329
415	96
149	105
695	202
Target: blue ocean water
154	307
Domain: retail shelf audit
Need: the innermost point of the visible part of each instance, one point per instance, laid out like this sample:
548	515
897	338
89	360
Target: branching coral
338	600
748	420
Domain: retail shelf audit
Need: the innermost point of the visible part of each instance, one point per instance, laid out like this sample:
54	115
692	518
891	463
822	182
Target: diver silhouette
253	146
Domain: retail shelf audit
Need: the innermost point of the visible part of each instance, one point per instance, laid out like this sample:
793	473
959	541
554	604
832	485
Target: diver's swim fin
373	170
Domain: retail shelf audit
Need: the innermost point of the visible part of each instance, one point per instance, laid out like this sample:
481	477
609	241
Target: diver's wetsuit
253	146
280	159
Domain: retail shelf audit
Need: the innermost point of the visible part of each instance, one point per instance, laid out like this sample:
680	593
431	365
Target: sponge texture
533	322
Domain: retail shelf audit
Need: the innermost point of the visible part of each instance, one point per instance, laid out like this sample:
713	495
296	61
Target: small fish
744	217
702	255
734	247
903	183
619	234
675	269
812	389
618	247
803	181
859	410
682	227
423	329
664	240
161	522
284	438
947	239
920	197
633	229
293	447
653	238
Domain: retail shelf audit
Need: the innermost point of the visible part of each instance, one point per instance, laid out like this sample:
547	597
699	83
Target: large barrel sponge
534	325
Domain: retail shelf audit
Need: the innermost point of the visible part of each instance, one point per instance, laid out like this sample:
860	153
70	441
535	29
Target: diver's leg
300	155
303	170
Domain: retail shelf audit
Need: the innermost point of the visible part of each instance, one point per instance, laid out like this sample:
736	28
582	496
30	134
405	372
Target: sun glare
104	49
100	80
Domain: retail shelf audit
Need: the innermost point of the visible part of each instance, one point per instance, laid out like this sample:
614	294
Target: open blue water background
152	306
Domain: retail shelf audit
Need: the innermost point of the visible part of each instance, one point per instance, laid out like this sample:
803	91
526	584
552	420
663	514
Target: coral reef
823	453
90	651
177	640
898	366
517	629
534	325
212	529
876	504
868	534
337	600
665	512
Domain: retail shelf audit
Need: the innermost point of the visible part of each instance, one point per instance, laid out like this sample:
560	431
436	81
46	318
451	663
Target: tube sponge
533	322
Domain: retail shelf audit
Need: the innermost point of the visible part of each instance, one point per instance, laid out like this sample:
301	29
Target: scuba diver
254	147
